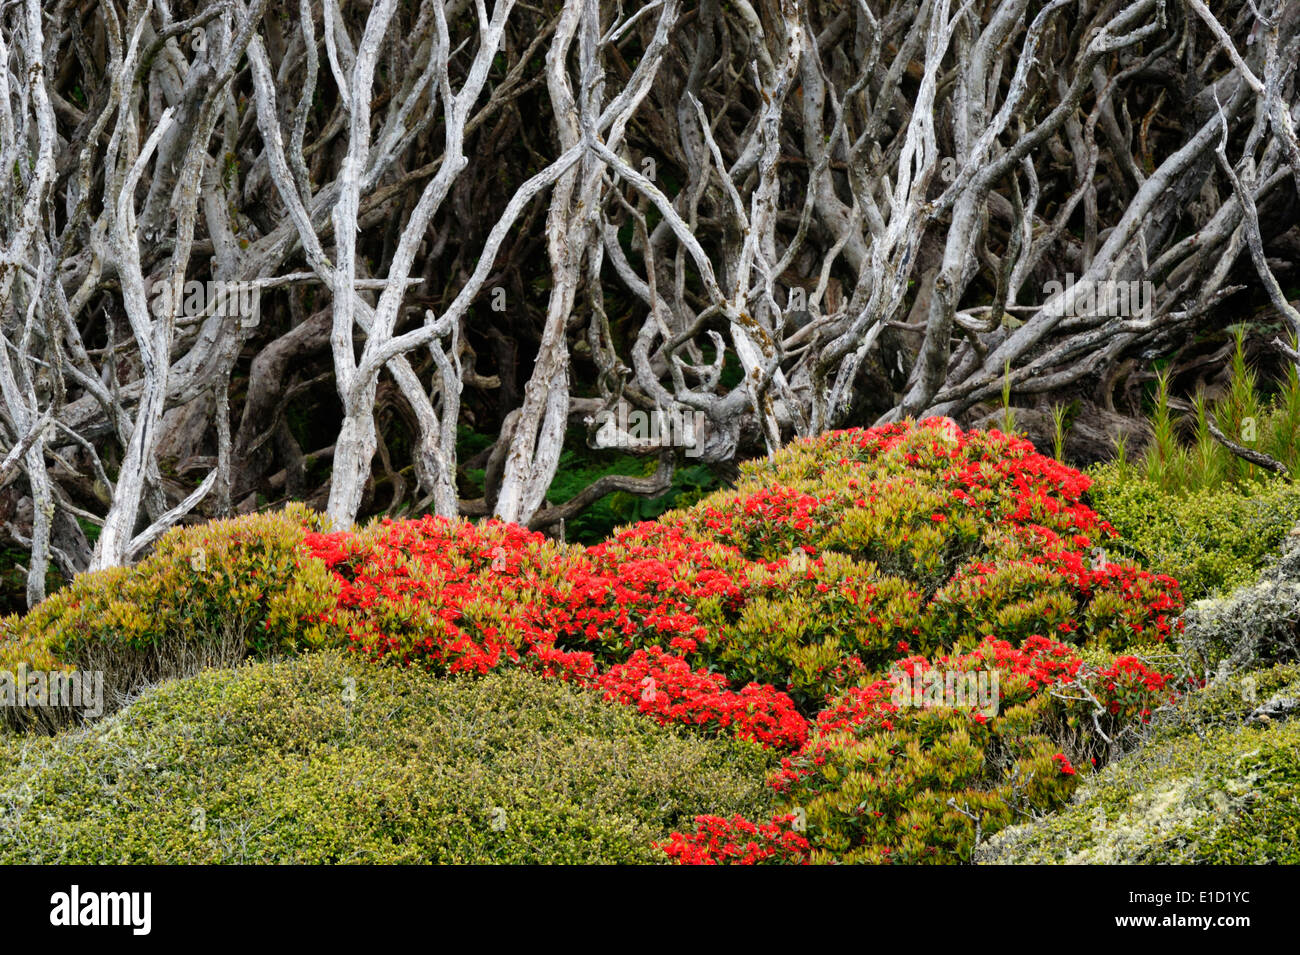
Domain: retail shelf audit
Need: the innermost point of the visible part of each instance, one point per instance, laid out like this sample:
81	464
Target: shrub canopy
783	612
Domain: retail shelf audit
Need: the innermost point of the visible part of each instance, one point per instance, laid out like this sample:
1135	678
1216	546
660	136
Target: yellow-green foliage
207	595
920	791
1013	601
894	531
326	759
796	631
1208	788
18	647
1211	540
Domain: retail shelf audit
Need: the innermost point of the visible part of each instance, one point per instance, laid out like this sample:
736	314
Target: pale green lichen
1254	626
1214	784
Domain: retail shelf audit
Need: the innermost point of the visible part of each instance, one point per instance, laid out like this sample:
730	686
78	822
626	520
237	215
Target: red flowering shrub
860	541
888	778
808	577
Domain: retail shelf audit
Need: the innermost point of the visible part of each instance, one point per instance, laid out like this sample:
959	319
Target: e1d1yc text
1199	897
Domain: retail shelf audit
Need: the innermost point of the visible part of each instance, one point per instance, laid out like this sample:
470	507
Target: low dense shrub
1213	540
325	759
209	595
1216	779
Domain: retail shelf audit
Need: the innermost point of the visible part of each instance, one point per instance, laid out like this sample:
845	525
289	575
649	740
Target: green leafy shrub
326	759
1212	540
581	466
208	595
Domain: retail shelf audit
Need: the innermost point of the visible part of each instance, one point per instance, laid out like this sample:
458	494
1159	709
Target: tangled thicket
783	612
785	216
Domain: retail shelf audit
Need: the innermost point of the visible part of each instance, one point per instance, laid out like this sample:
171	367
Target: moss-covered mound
329	760
1218	783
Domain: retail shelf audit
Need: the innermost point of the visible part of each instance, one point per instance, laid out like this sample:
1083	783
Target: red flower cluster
421	591
641	587
768	522
665	687
1129	687
1038	663
860	709
739	842
455	597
